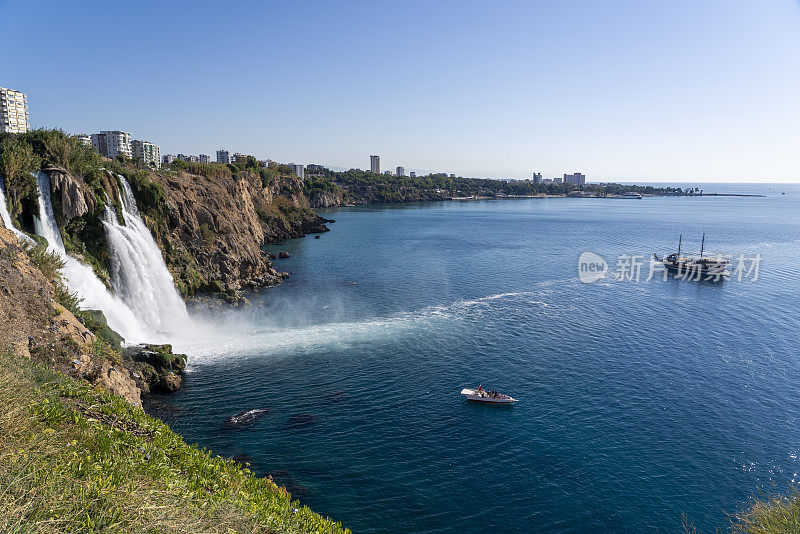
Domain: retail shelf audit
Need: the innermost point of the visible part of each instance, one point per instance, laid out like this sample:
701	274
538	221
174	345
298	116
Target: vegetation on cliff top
76	459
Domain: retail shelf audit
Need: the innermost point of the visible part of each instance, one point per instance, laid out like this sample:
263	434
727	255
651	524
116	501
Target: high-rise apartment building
400	171
412	174
375	164
146	151
205	158
223	156
13	112
537	177
299	170
112	143
575	178
167	159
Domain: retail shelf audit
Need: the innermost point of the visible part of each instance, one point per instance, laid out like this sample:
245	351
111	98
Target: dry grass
77	459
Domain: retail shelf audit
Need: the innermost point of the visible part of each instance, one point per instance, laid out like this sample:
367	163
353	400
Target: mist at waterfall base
638	401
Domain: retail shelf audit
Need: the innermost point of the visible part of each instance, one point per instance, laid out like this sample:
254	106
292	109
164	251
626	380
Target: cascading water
80	277
7	216
138	272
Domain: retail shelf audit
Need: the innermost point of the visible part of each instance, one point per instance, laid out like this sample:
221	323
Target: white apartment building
84	139
400	171
299	170
375	164
223	156
204	158
13	112
112	143
146	151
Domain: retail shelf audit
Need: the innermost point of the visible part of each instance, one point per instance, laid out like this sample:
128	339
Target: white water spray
80	277
138	272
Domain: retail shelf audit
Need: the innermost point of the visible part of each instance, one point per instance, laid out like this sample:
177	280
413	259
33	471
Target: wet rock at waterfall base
246	418
169	382
155	367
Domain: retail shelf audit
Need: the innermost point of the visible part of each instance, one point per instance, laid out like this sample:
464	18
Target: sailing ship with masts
694	267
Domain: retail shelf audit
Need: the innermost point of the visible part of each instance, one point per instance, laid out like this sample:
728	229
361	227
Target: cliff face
34	325
211	229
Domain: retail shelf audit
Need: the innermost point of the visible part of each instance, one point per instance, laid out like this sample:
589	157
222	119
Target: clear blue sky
678	90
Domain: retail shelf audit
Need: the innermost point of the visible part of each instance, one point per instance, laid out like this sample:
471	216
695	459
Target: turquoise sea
639	401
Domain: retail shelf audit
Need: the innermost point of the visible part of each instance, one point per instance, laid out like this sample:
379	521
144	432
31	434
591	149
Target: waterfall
7	216
80	278
138	272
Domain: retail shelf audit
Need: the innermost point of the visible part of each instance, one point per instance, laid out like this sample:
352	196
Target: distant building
400	171
194	159
313	167
223	156
182	157
238	157
412	174
84	139
387	173
14	116
375	164
112	143
146	151
452	176
299	170
537	177
205	158
548	180
557	180
575	178
167	159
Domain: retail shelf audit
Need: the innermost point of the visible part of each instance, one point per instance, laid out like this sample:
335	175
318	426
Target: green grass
78	459
770	515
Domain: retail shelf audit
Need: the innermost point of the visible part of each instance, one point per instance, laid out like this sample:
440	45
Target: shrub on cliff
17	162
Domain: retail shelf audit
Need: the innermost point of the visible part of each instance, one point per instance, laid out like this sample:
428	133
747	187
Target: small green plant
46	261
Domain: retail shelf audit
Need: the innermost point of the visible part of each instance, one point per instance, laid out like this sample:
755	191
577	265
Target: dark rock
246	418
144	374
300	421
283	254
316	237
169	382
160	357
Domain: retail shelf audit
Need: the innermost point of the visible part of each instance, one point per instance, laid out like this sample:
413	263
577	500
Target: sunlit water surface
638	401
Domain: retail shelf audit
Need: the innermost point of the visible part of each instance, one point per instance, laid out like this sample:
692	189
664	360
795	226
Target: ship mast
702	245
679	244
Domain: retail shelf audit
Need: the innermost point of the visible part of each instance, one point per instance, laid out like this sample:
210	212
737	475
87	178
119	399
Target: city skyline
624	91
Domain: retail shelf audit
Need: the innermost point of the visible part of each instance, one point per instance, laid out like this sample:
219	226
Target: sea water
639	401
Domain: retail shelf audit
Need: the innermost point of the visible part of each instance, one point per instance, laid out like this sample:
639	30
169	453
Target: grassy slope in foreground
77	459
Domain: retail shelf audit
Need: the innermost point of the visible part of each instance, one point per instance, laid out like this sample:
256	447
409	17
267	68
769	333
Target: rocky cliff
34	325
211	228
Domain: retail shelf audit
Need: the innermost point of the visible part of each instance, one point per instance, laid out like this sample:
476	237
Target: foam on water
242	339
